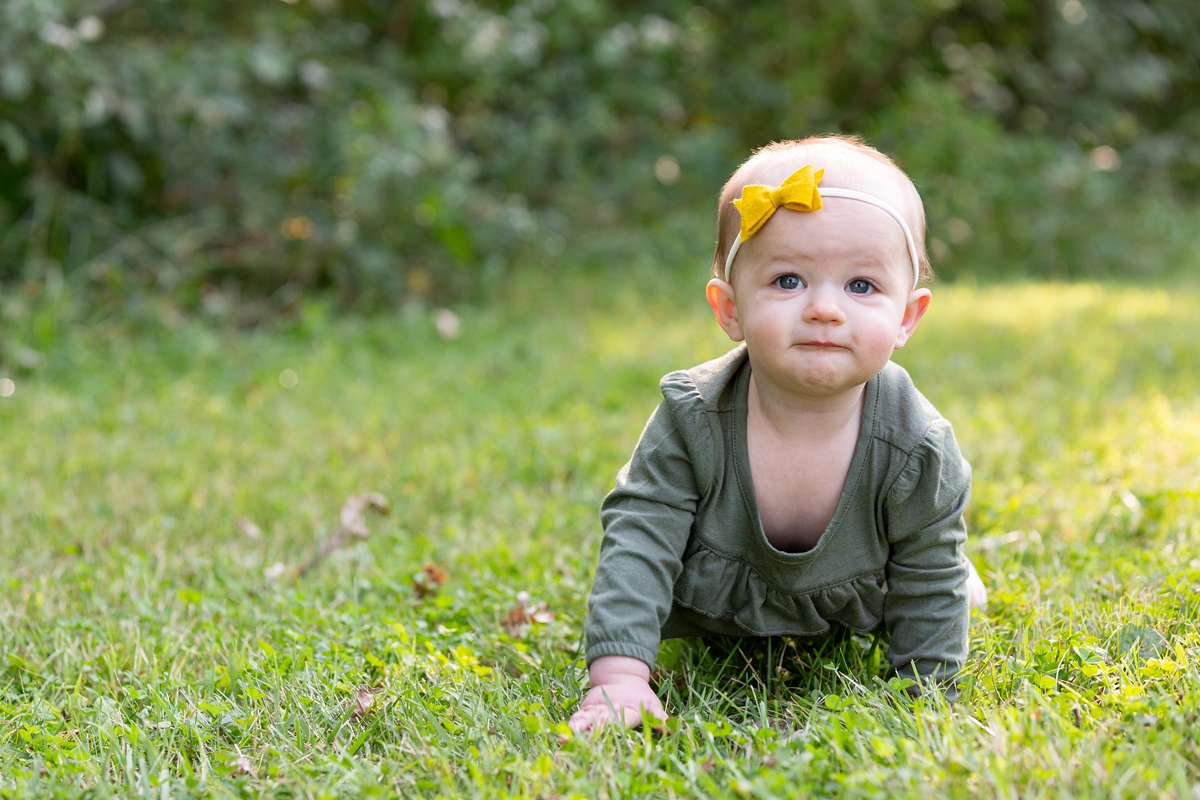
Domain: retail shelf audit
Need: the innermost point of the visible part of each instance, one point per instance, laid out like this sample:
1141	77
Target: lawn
176	620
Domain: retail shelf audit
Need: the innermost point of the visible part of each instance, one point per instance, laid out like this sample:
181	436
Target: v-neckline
866	427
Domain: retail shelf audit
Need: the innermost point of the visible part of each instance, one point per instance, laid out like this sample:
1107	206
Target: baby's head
821	245
848	162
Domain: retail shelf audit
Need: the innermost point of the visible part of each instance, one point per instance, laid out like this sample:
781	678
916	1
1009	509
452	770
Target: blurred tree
391	150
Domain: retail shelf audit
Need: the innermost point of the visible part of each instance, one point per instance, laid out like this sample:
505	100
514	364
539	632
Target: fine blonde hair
842	155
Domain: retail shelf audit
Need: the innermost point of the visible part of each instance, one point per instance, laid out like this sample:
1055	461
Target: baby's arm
925	608
620	691
647	521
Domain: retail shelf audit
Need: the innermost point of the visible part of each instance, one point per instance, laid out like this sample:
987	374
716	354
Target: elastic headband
799	193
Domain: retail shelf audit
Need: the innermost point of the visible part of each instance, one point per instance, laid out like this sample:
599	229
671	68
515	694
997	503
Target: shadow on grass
728	676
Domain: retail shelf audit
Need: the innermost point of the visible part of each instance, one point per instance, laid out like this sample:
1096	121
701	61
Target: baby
799	482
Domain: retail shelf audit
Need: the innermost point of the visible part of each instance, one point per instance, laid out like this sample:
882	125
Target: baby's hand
620	692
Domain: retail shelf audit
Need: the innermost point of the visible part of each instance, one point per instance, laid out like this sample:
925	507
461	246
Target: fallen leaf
353	508
364	699
351	524
515	620
522	614
249	528
429	580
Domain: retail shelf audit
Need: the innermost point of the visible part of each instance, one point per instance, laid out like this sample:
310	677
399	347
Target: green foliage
235	155
178	148
151	645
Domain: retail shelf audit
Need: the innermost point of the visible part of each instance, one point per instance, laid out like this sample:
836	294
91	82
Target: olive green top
684	552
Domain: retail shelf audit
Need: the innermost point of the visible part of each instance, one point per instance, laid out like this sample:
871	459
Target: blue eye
787	282
859	286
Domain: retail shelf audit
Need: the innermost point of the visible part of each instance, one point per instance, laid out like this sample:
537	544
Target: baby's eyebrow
790	255
784	265
883	262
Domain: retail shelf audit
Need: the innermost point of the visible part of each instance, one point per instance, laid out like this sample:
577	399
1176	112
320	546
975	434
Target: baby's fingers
652	718
588	718
593	718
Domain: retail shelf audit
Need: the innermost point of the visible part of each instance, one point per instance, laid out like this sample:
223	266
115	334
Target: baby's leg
976	592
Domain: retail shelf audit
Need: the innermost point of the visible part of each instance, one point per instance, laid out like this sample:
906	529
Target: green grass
144	652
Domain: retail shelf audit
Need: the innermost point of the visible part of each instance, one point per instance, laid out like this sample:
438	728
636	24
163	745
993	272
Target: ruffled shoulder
692	397
935	473
722	588
908	414
706	384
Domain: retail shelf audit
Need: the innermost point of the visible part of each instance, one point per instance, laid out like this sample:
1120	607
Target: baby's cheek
770	324
881	341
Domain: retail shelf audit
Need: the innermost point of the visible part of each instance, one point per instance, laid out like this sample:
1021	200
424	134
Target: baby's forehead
845	168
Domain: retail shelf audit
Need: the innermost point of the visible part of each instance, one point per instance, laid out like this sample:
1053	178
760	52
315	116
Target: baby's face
823	298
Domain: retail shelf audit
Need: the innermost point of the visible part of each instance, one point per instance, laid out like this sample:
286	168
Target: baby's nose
824	303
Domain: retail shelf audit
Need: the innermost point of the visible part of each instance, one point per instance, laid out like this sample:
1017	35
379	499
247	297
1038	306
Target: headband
799	193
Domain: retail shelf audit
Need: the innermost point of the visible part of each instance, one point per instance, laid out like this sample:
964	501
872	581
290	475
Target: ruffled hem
722	588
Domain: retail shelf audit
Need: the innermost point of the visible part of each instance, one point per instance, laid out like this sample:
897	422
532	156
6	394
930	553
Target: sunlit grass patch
150	642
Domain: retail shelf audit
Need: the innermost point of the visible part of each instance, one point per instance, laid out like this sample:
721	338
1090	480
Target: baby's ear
720	297
918	304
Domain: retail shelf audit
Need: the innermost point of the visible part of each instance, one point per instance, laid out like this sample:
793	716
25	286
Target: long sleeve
925	608
647	519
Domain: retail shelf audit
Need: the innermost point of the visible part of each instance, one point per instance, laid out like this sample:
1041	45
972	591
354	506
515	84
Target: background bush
234	155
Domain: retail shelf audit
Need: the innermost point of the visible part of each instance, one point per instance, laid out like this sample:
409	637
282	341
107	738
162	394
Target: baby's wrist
610	670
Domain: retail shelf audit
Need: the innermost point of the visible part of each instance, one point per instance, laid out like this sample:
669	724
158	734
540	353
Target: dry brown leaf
364	699
351	524
522	614
353	508
514	623
429	580
247	527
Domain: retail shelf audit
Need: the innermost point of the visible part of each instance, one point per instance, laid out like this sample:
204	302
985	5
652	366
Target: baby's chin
814	380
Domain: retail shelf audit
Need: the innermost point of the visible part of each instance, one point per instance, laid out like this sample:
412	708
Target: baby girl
799	483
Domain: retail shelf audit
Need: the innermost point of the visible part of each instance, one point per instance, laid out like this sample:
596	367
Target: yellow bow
797	193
